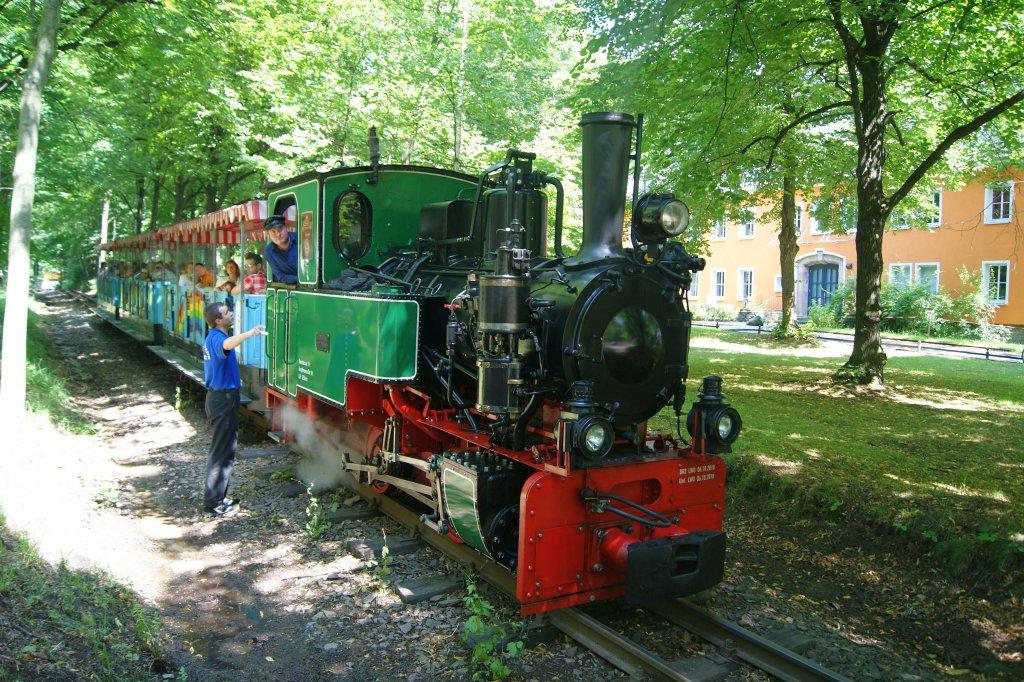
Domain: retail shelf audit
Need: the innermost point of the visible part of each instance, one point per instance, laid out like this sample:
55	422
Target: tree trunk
12	369
465	6
180	198
211	196
867	361
140	203
154	211
104	223
788	248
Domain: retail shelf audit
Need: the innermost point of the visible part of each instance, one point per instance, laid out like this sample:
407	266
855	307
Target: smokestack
607	138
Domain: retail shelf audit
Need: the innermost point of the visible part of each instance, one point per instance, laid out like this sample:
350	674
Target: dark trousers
222	410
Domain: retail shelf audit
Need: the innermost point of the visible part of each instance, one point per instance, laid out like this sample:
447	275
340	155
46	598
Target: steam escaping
323	445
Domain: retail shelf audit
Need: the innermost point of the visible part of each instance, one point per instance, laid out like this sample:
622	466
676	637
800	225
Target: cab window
352	226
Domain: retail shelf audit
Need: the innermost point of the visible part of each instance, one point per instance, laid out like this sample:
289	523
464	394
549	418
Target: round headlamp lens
724	426
594	437
674	218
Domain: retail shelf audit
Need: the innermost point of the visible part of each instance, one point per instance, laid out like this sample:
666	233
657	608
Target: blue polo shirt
220	367
284	265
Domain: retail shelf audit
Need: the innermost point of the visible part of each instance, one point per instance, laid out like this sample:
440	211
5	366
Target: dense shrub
918	310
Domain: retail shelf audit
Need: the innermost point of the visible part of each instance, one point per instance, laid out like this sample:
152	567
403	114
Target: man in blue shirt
282	253
220	369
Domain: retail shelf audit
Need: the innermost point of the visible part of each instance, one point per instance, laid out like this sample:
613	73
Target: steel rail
752	648
620	651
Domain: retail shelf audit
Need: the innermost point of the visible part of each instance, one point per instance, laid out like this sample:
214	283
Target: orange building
978	227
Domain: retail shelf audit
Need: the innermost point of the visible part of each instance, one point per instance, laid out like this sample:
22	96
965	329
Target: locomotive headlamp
713	425
593	436
659	217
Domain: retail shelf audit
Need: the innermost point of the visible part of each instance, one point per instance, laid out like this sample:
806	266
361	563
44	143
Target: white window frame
694	291
719	229
1005	207
747	227
718	284
744	290
777	285
909	268
917	275
985	286
815	225
899	221
935	219
799	218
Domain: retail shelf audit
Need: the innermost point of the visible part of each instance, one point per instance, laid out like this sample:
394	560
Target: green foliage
815	452
317	522
106	496
490	641
799	333
47	378
69	611
381	567
918	310
285	475
197	105
712	313
821	317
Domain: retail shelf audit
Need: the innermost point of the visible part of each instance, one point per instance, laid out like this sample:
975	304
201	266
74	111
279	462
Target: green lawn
936	458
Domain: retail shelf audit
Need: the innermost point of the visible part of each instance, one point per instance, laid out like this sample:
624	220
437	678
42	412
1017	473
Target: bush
820	316
707	312
918	310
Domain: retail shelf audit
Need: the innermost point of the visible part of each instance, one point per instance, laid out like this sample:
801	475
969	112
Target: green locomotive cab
345	318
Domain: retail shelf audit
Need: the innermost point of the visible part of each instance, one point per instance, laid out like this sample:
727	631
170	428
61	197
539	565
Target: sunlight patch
960	490
954	400
829	351
780	466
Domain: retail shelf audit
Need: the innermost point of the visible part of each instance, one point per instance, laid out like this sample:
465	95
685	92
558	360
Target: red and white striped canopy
223	227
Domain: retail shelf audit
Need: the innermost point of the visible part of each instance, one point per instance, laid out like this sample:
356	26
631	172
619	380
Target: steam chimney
607	138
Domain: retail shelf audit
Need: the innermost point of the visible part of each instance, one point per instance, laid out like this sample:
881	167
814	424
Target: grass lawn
935	460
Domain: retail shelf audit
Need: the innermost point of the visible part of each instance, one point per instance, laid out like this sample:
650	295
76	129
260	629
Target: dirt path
254	598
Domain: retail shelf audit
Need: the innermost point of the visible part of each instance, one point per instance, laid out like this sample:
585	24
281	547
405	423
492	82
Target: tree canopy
870	100
169	109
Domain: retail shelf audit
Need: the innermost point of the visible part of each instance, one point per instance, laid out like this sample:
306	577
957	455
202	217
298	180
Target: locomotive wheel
503	536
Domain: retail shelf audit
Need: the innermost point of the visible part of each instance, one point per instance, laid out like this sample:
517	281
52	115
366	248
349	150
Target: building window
719	278
899	221
998	203
718	229
935	214
778	283
692	292
815	223
927	275
899	275
745	285
799	218
747	226
995	281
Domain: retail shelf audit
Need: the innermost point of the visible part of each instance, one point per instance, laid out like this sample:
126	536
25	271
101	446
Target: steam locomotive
503	391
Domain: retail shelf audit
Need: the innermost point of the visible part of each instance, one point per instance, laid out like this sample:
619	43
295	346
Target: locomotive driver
282	253
220	369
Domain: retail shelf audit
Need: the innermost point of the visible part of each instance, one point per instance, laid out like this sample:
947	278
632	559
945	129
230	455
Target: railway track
635	660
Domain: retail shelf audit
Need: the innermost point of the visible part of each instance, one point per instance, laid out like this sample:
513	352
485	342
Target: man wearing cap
220	370
282	253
